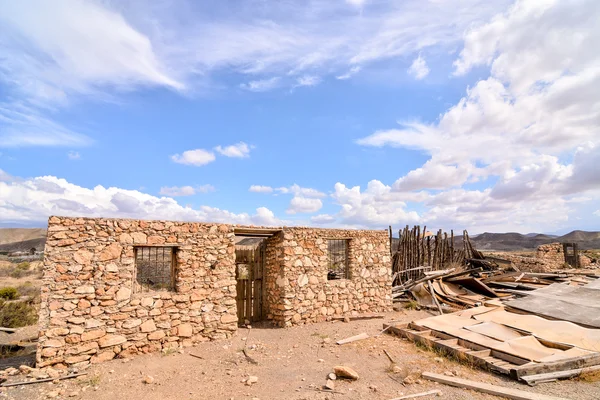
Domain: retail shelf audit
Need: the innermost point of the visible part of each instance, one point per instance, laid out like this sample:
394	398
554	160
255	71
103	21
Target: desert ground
292	363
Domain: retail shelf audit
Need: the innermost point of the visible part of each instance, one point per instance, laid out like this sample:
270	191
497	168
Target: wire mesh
154	268
337	259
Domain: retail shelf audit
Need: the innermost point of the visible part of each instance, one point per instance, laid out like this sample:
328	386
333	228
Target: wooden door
249	274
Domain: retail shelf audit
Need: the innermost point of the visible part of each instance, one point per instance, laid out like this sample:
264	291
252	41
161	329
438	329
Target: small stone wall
307	295
552	253
88	311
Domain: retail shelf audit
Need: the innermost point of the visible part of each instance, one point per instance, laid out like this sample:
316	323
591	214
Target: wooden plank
415	395
353	338
562	365
552	376
359	317
513	394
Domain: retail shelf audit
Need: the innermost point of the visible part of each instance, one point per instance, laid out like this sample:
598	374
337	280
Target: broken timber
415	395
358	317
43	380
493	360
513	394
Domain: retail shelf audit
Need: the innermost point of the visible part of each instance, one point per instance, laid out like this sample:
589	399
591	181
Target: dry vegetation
19	292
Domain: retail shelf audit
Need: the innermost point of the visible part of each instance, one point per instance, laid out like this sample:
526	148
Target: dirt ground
292	364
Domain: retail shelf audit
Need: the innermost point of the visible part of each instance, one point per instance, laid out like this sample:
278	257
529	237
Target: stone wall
89	311
92	309
307	294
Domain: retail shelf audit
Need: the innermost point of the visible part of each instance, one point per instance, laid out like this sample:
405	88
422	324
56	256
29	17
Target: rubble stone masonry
307	295
91	310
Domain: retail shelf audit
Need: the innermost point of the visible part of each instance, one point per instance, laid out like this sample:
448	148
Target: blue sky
329	113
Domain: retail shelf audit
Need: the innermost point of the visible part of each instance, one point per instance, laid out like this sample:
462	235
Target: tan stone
123	294
54	343
148	326
111	267
85	290
110	252
156	240
111	340
139	238
82	256
57	332
92	335
184	330
103	356
125	238
342	371
156	335
132	323
228	318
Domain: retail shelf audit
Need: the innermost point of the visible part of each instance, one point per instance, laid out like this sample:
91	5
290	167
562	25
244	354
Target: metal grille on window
338	259
154	268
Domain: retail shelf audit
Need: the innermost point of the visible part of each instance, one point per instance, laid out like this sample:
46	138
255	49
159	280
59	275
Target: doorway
249	273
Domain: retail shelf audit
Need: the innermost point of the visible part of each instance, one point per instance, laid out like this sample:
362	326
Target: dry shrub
589	376
16	314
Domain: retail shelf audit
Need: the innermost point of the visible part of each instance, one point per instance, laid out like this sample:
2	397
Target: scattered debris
513	394
251	380
248	358
329	385
423	394
148	380
342	371
353	338
43	380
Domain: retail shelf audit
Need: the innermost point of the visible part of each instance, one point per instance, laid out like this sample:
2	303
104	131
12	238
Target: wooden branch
249	359
43	380
513	394
435	300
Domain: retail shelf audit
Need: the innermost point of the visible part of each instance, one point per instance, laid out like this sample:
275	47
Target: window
337	259
154	268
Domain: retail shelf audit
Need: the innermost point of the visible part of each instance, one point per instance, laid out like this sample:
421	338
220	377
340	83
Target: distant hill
516	241
22	239
513	241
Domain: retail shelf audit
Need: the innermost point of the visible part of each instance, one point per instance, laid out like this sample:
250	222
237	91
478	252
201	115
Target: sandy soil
292	364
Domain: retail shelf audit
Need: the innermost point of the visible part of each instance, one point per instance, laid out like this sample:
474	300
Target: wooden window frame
346	272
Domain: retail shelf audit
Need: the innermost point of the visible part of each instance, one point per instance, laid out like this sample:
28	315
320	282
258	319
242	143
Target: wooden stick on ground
197	356
388	355
250	359
353	338
412	396
513	394
43	380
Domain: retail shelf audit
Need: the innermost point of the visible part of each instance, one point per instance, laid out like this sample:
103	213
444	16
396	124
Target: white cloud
356	3
304	205
175	191
308	80
529	132
34	200
262	85
597	213
353	71
74	155
4	176
260	189
299	191
238	150
322	219
419	69
196	157
25	126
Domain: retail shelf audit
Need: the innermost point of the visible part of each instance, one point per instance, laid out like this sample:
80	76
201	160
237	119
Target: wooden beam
513	394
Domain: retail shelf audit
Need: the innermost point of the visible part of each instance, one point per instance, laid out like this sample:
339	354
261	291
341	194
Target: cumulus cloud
34	200
197	157
176	191
322	219
347	75
238	150
419	69
304	205
529	131
597	213
260	189
299	191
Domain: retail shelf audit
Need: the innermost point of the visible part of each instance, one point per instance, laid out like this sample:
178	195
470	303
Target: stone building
118	287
